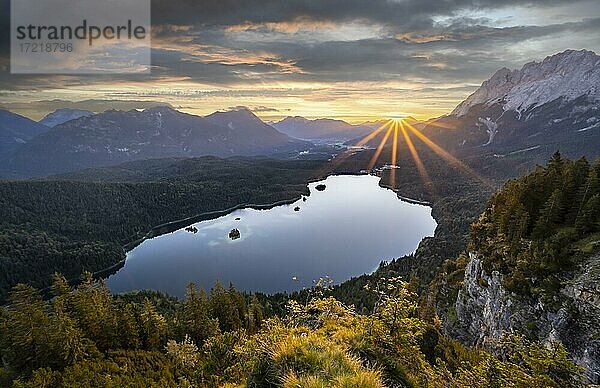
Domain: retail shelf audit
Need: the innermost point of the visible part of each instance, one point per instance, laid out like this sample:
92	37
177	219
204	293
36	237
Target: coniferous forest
87	338
68	225
530	227
533	231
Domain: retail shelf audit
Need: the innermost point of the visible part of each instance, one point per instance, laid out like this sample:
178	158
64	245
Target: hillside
222	338
16	130
74	226
532	265
114	137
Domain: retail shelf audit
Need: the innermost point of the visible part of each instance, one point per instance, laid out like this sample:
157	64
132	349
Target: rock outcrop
485	310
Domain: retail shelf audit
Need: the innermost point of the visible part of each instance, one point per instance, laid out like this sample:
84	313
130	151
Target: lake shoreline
170	227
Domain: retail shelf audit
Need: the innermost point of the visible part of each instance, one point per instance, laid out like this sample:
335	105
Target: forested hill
531	266
71	226
530	226
89	338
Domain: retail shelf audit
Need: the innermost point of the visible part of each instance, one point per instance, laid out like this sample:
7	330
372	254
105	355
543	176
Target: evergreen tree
67	342
239	302
60	287
95	312
223	308
550	216
27	340
255	315
129	335
196	319
555	168
154	327
589	219
586	191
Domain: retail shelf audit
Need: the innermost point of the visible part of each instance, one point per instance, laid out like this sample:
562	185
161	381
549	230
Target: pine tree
129	335
94	309
255	315
195	318
27	340
550	216
555	168
60	287
239	301
590	188
223	309
68	345
589	219
154	327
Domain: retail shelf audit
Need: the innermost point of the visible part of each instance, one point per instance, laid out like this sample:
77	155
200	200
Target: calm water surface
344	231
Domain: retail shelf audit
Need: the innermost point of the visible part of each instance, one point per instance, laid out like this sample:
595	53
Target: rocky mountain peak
567	75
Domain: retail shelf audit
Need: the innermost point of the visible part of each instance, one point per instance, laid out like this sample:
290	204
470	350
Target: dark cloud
232	12
427	44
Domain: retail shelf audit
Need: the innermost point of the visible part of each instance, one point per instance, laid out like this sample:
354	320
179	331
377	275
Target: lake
343	231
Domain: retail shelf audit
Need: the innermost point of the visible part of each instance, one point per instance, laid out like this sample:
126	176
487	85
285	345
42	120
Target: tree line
86	337
531	227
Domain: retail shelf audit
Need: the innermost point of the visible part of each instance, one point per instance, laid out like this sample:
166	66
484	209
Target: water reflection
342	231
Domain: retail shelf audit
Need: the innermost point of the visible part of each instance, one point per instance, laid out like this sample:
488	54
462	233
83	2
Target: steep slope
16	130
325	129
61	116
545	106
532	266
114	137
565	76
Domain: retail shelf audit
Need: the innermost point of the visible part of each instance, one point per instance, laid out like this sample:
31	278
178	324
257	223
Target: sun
389	132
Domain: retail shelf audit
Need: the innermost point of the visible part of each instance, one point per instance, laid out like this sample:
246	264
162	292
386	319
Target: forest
538	226
87	337
372	331
69	225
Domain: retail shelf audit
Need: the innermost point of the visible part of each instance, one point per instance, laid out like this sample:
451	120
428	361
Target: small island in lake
320	187
191	229
234	234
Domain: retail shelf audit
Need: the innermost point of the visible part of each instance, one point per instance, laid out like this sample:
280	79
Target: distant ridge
114	137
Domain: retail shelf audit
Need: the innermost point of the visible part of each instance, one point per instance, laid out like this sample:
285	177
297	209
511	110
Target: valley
487	277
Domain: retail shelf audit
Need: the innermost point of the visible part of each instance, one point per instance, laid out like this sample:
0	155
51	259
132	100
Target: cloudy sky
351	59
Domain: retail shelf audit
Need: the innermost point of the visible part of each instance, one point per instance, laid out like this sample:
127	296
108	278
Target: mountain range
530	112
323	129
113	137
61	116
552	104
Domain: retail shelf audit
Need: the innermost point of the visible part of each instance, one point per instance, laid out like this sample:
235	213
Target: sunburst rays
381	145
415	155
391	129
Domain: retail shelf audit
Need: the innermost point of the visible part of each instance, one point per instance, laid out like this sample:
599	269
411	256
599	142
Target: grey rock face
485	310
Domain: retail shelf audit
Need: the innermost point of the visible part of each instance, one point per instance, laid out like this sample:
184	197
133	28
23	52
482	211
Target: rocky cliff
485	310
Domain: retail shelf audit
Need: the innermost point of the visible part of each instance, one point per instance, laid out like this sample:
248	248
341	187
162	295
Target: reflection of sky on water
343	231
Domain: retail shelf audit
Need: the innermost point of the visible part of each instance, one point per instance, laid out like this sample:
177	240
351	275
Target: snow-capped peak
569	75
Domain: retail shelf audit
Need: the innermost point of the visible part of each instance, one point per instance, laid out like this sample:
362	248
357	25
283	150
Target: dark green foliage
76	226
223	307
76	329
87	338
196	320
529	228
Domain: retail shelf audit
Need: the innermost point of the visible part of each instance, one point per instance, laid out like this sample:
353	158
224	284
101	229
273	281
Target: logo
80	37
